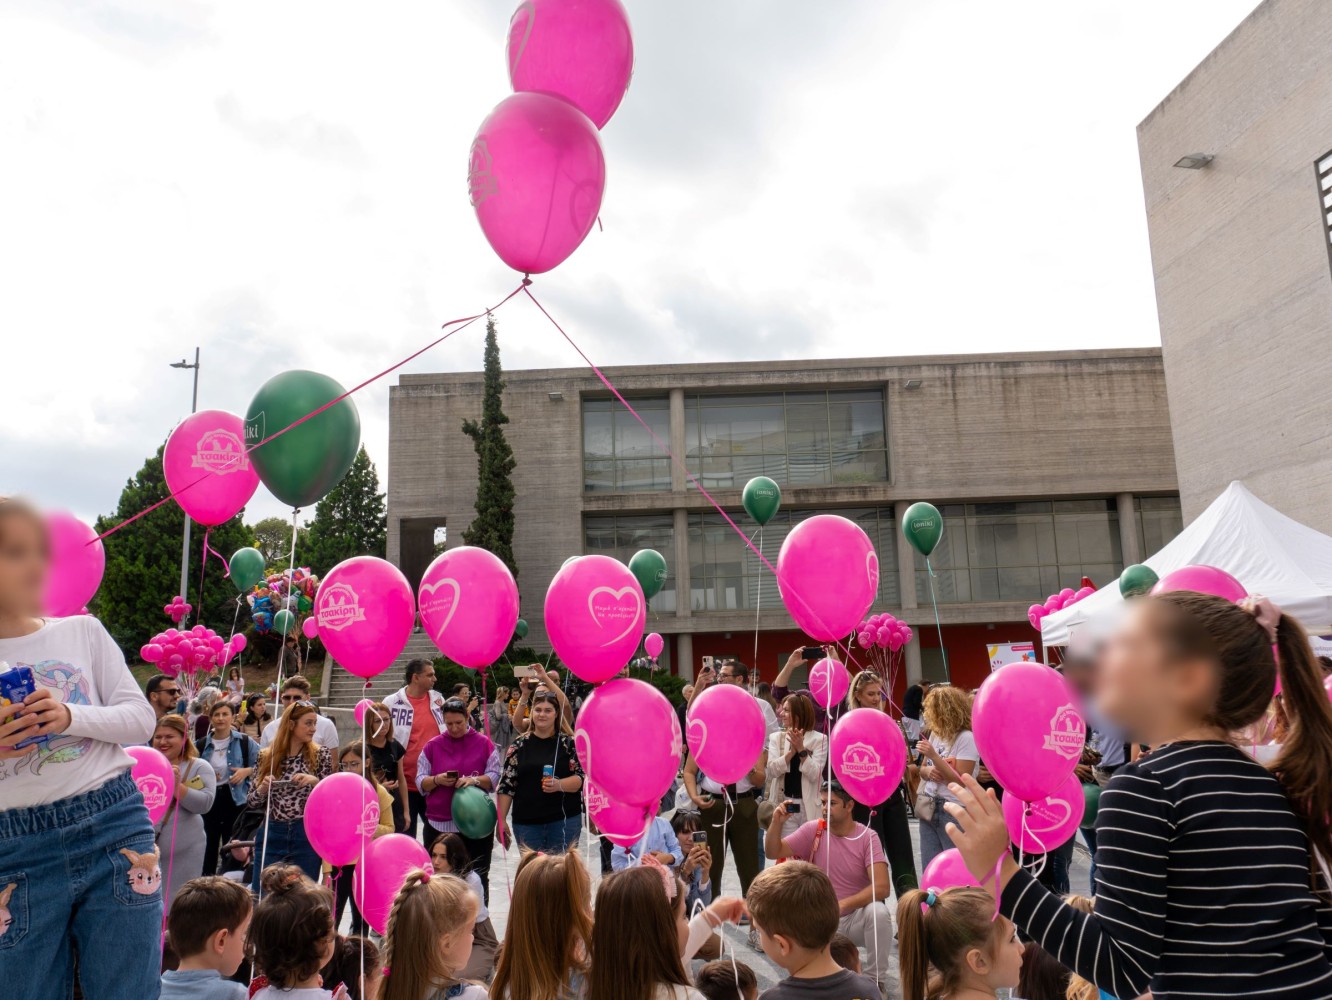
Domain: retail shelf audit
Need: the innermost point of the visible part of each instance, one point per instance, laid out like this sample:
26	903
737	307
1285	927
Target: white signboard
1003	653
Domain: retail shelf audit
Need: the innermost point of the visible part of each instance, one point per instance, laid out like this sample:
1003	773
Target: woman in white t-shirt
78	867
235	685
948	722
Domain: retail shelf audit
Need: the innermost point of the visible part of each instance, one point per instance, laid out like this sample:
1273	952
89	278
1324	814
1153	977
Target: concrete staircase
345	689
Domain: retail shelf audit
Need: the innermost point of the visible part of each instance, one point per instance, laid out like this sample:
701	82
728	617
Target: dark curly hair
291	927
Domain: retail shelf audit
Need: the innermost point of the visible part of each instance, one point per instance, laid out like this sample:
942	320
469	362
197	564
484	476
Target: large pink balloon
628	739
1049	822
868	754
581	50
152	774
828	575
725	732
340	817
377	878
77	564
1029	729
1203	579
947	870
828	682
365	612
621	822
206	466
536	178
595	613
469	605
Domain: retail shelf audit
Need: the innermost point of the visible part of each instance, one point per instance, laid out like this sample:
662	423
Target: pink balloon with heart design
725	732
828	575
628	738
595	613
469	605
1042	826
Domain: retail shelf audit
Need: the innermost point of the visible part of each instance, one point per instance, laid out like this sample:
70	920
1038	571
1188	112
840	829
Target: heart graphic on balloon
608	606
445	604
529	9
872	569
1052	813
698	736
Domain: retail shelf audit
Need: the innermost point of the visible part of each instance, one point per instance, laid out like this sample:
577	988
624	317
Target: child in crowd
1203	879
428	940
955	933
356	965
639	933
448	856
724	980
292	936
846	953
546	938
206	927
795	910
69	804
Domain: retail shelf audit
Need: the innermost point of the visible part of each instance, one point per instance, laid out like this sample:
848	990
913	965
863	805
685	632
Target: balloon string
171	859
203	572
465	322
938	626
601	376
758	599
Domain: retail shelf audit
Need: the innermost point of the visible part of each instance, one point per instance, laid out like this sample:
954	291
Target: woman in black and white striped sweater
1206	881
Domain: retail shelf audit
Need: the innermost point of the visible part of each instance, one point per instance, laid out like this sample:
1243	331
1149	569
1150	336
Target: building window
1323	168
726	575
1021	551
1159	521
619	456
797	438
620	536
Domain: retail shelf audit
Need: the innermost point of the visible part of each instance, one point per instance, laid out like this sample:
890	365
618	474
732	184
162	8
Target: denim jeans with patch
81	876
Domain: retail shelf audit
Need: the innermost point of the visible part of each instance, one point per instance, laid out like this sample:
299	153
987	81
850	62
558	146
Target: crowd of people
1210	875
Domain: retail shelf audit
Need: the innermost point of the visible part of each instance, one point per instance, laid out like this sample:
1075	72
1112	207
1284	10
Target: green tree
272	537
143	564
492	528
349	521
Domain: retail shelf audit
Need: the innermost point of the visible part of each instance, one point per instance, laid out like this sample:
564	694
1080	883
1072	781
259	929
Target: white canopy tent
1268	552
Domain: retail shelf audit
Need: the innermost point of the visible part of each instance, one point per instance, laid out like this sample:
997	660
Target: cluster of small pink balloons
1066	598
199	650
537	171
884	631
178	610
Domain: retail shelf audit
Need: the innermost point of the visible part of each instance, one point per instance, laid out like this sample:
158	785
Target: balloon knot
526	280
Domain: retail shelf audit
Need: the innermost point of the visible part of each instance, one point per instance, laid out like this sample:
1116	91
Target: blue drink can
548	771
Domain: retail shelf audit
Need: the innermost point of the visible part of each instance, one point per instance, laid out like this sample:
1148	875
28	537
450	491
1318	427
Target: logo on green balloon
254	429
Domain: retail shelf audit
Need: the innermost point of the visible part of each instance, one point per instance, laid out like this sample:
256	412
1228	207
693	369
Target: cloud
303	134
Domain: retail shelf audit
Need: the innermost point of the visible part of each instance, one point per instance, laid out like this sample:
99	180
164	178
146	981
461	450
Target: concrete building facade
1048	467
1240	251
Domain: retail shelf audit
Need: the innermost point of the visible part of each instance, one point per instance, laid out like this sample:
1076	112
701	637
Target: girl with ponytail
955	933
291	937
1208	882
428	939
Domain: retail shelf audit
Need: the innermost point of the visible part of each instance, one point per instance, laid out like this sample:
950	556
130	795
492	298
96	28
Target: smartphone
813	653
707	662
792	807
525	670
15	685
451	774
699	836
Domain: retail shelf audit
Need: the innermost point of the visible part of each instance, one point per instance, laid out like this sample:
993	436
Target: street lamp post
185	543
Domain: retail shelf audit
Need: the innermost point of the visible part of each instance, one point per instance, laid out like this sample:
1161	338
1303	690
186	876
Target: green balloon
303	464
1137	579
474	812
1091	795
284	622
762	498
649	567
247	569
520	629
923	527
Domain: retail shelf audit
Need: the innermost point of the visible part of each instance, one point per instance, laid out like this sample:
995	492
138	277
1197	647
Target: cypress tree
492	528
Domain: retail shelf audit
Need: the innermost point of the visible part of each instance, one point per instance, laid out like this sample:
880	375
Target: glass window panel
618	452
598	435
598	477
620	536
1159	521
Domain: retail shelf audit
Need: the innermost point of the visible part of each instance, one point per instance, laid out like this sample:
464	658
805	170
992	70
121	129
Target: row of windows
796	438
1020	551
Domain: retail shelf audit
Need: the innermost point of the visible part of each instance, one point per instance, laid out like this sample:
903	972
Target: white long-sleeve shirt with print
82	666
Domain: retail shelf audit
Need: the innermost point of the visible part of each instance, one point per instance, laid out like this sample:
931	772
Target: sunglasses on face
173	692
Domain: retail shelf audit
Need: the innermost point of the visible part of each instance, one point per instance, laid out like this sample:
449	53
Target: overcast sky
285	185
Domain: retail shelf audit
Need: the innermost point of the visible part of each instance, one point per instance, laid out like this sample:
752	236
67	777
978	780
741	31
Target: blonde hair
1079	988
549	928
863	678
937	930
426	908
271	757
176	722
947	711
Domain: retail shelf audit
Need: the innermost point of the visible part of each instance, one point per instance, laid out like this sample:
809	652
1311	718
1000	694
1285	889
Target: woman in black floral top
547	808
287	771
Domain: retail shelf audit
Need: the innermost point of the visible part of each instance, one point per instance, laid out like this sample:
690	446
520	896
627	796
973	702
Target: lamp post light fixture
185	542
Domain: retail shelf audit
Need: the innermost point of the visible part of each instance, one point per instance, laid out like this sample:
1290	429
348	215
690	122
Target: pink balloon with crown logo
341	815
595	614
153	777
1041	826
622	823
469	605
828	575
1029	729
725	732
365	612
206	467
868	754
628	739
536	177
76	565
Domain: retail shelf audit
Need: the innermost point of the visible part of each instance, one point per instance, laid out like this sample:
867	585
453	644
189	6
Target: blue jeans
72	889
284	843
1089	835
549	838
934	837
